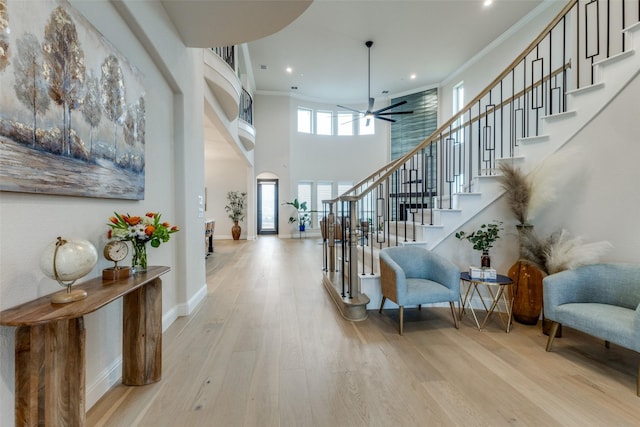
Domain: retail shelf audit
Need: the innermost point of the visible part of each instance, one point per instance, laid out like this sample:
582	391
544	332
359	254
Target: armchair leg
382	304
401	312
552	334
453	313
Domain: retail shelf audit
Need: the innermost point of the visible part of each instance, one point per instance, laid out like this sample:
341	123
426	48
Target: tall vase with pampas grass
526	195
527	276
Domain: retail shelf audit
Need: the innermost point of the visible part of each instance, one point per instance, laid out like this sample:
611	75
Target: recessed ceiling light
289	70
487	3
412	76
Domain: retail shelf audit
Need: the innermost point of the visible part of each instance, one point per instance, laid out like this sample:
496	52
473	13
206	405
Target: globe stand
68	295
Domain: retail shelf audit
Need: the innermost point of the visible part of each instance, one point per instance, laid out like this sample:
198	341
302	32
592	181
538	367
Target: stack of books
482	273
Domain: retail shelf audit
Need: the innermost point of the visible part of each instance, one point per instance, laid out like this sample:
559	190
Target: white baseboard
113	373
107	379
187	308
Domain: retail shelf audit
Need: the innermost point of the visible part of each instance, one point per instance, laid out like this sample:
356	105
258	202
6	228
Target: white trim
187	308
105	380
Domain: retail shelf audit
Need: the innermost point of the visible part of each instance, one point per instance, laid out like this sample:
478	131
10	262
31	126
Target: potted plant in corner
302	215
483	239
236	208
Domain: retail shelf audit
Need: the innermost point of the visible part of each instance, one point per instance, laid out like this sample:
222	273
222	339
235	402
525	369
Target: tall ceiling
325	45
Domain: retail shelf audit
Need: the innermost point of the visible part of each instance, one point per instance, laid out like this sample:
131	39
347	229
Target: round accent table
496	289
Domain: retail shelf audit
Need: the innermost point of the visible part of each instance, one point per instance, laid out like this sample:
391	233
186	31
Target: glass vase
139	258
485	260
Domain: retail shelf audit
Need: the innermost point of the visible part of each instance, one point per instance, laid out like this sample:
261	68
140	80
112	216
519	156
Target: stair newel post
354	283
331	236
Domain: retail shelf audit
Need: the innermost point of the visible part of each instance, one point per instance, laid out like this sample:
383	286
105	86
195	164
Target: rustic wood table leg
142	335
50	374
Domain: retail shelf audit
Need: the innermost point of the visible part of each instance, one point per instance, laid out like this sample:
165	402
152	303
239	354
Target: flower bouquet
140	231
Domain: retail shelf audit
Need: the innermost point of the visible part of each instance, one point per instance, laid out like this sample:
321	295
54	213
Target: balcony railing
385	208
246	107
227	53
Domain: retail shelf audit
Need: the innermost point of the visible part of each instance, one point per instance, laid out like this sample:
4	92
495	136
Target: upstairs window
367	130
304	120
345	124
324	123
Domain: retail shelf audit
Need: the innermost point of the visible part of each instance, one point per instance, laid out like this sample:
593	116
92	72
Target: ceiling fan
382	112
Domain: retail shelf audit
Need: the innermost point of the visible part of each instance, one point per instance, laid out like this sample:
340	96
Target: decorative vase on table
140	230
236	230
485	260
139	257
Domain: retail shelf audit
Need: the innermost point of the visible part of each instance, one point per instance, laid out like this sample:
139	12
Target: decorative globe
75	258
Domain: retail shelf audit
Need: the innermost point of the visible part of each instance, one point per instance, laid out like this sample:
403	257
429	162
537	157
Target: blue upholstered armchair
415	276
602	300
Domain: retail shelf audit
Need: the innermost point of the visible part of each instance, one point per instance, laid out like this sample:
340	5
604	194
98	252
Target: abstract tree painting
72	112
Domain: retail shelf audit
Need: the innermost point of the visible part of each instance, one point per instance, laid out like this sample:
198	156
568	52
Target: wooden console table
50	346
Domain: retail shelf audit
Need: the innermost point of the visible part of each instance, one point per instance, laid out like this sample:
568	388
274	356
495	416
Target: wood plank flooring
267	347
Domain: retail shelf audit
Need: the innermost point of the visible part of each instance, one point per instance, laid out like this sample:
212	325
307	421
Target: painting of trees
113	96
91	107
64	68
30	86
141	120
4	36
52	63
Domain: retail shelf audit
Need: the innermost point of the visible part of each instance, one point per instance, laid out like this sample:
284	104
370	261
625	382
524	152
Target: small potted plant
302	216
236	208
483	239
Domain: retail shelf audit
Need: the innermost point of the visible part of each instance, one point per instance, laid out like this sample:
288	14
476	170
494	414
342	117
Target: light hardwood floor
267	347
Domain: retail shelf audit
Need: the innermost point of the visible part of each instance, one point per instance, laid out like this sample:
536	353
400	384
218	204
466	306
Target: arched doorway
267	206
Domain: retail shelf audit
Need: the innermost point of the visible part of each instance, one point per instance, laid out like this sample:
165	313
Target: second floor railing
385	208
227	53
246	107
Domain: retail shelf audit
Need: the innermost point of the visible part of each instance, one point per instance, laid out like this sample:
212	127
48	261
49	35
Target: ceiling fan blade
385	118
351	121
388	113
350	109
370	107
390	107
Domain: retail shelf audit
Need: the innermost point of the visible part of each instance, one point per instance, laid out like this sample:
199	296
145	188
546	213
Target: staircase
529	112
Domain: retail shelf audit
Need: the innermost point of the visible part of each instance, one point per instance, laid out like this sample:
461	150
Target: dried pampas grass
533	249
518	190
545	177
559	251
528	194
564	252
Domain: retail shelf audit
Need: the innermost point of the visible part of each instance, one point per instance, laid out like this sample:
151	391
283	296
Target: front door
267	206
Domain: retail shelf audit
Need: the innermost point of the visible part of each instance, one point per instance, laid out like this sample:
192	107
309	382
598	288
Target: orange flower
150	214
132	220
149	229
166	224
109	233
113	219
175	228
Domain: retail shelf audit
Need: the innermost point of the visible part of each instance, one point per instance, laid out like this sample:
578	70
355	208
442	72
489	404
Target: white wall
480	70
293	157
224	174
174	178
